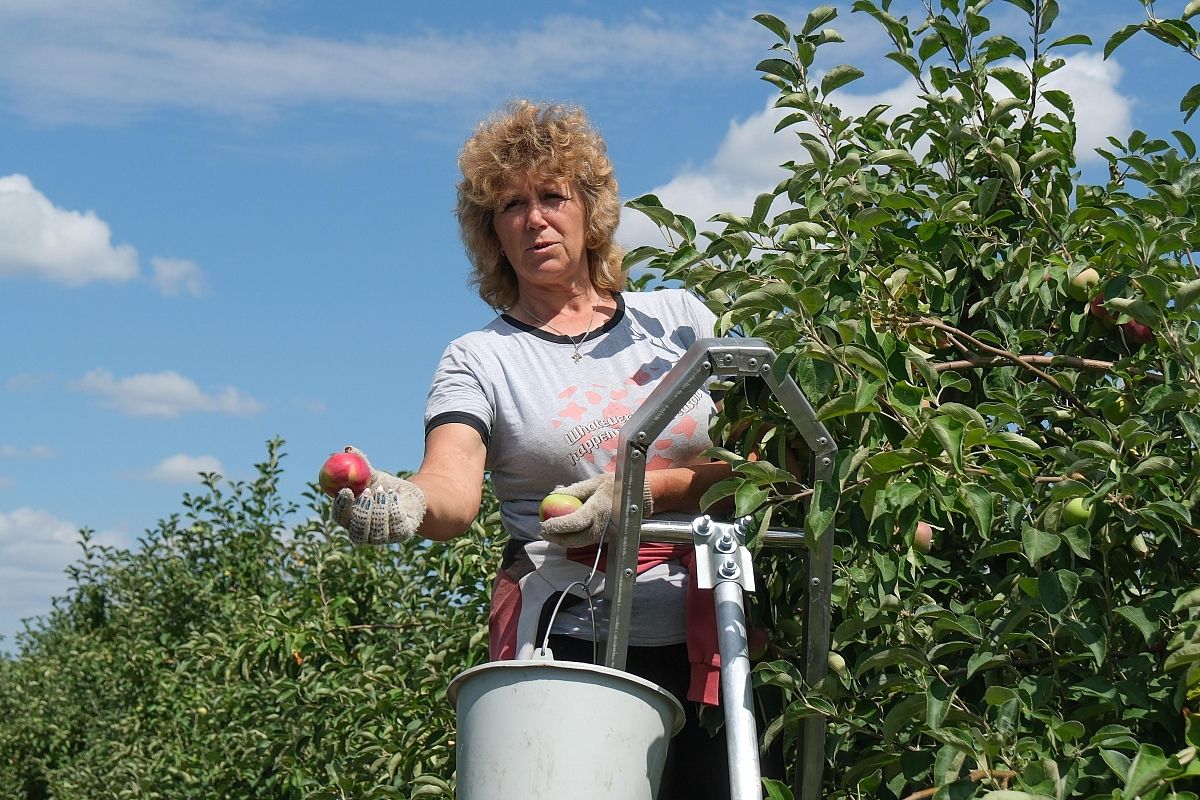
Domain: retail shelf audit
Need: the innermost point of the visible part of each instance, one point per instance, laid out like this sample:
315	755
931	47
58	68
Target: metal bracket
721	554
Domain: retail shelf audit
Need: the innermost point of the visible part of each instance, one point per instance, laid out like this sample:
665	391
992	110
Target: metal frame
704	360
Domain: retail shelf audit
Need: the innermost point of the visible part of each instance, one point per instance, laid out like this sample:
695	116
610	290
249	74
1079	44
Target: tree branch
976	775
973	360
1003	355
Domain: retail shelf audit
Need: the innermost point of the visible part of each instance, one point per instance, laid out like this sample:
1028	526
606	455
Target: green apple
1076	511
1116	410
1083	284
836	662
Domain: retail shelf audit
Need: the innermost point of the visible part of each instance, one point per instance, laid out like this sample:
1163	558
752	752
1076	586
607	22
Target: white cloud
164	394
35	548
1100	109
183	468
176	276
29	381
70	60
36	451
747	162
39	239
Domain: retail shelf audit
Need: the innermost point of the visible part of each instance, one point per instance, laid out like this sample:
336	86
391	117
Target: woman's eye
509	205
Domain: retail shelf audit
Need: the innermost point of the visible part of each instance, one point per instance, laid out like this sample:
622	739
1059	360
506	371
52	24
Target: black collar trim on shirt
618	315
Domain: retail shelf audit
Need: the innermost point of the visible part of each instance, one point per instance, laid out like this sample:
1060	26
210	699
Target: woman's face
542	228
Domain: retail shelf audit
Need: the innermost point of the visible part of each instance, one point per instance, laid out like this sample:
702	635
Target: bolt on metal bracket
721	554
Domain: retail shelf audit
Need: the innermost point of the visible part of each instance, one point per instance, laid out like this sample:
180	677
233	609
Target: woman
537	398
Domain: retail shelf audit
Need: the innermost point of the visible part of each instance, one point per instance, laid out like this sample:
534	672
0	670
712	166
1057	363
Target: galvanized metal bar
817	620
671	532
624	534
741	732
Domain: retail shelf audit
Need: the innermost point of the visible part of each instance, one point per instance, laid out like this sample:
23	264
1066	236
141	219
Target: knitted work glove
587	524
389	510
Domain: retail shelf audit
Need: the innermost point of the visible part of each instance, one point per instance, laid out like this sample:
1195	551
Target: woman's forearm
680	488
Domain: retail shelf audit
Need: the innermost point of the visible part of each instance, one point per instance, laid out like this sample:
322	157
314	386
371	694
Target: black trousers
697	765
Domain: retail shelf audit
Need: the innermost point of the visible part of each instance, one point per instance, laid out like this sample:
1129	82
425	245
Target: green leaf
762	204
893	158
1056	590
818	17
938	702
1148	768
1185	141
840	76
979	503
1138	618
1187	294
1184	656
949	434
902	714
778	66
1012	441
1038	544
805	230
869	218
1189	599
1089	638
1119	38
719	491
1154	465
893	461
859	357
1078	38
1016	82
777	790
775	25
748	498
818	522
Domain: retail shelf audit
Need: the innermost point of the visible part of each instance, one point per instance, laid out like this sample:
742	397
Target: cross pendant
577	358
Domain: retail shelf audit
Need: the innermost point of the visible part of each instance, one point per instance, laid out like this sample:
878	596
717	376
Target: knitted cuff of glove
647	500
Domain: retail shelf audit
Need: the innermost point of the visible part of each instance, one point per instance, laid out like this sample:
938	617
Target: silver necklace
576	357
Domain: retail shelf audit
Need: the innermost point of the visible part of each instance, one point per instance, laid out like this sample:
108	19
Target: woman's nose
535	218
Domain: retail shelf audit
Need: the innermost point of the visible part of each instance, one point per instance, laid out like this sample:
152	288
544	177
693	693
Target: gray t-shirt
548	420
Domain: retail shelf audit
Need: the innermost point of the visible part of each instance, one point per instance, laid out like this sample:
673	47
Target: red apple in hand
558	505
344	471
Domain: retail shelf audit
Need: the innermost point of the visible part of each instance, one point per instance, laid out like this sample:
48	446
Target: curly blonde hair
547	142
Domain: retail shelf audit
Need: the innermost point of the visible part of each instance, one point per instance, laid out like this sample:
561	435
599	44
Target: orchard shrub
238	653
923	274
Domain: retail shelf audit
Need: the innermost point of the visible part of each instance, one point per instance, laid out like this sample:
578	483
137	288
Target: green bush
914	269
234	654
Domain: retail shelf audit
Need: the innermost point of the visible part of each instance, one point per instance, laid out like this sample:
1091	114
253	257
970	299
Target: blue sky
222	222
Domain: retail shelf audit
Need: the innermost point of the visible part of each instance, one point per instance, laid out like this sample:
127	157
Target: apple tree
1008	358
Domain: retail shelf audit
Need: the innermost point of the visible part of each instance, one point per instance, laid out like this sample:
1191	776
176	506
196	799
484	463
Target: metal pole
741	733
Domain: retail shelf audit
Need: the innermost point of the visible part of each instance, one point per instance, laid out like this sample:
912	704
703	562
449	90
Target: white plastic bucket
543	728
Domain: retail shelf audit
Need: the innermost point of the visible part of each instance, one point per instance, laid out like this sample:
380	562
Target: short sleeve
704	320
457	393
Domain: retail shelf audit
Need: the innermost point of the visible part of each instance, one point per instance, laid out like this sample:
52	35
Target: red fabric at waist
700	613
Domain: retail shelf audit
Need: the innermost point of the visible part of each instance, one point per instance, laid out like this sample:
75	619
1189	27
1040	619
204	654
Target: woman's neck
570	312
